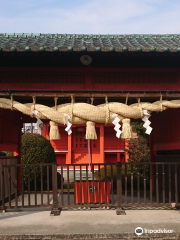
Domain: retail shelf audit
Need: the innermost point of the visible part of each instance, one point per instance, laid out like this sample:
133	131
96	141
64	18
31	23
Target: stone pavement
89	224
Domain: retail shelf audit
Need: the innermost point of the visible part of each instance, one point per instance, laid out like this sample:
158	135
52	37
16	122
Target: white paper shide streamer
147	122
66	122
117	125
39	122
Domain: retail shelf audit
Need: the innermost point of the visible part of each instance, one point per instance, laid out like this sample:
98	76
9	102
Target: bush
108	173
37	149
2	153
9	154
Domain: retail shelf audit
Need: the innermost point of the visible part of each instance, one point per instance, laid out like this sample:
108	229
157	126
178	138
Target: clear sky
90	16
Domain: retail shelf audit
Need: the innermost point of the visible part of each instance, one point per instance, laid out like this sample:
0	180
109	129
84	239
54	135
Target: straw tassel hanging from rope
90	128
126	127
54	129
90	131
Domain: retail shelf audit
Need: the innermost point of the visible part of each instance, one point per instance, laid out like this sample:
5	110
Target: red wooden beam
9	147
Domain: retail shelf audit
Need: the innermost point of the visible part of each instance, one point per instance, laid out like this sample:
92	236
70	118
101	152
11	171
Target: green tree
139	153
138	127
36	149
138	150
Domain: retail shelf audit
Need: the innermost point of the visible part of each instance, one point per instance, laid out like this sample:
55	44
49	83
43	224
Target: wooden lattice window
79	140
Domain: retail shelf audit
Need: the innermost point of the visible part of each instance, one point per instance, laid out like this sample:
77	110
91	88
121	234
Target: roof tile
83	42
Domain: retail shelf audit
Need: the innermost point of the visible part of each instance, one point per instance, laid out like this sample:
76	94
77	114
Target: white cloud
97	16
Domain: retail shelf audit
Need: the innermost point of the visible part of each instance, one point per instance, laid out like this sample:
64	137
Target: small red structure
85	192
73	149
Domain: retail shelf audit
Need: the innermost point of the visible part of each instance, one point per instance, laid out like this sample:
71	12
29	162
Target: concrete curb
90	236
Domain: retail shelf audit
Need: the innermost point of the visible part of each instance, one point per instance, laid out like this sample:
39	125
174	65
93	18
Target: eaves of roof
90	43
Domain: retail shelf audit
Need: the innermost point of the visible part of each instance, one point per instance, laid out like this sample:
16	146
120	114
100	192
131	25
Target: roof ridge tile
89	42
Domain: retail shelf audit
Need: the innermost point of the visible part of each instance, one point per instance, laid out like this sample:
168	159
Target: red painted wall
10	128
89	78
166	130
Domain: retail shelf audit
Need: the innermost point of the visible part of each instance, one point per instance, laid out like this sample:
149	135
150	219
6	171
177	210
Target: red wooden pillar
101	143
126	146
45	130
118	157
69	154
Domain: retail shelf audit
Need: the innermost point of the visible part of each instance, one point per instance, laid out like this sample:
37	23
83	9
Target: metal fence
11	189
103	186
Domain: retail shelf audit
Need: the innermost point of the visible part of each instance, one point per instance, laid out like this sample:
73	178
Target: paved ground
85	224
97	224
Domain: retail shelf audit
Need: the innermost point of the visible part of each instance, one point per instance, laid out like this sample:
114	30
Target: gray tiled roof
80	42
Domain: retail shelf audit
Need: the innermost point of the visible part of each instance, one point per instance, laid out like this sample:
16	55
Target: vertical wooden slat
151	183
132	189
3	187
9	186
144	174
112	196
87	185
16	187
41	185
62	194
119	188
169	173
157	184
35	186
163	183
68	185
99	177
105	184
74	170
176	185
93	192
22	185
29	200
55	195
126	184
138	184
80	184
48	184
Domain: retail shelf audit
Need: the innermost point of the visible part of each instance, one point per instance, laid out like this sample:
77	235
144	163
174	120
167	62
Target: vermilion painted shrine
144	67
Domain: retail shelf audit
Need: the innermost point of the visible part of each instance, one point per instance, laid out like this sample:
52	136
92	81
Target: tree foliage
138	127
36	149
138	150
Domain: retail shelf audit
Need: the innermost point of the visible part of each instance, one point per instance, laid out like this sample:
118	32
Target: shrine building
96	70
